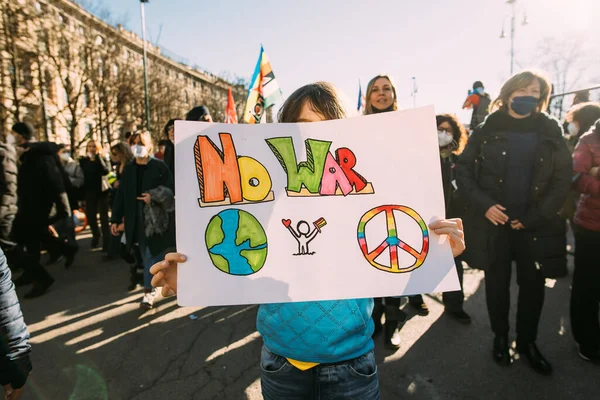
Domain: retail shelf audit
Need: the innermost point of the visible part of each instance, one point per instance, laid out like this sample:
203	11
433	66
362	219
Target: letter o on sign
256	181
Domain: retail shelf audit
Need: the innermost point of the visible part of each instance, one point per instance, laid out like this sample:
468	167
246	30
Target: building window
37	7
88	130
186	97
115	70
81	30
26	77
86	96
99	40
65	96
50	88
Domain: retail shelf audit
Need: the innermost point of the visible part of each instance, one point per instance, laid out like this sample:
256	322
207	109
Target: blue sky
445	44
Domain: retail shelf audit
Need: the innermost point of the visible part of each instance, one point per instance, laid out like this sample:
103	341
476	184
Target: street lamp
147	98
513	18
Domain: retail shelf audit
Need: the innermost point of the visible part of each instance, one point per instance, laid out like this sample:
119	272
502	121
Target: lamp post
147	98
513	19
414	91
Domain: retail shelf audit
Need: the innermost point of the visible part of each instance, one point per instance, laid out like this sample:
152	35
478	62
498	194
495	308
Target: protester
169	156
145	202
296	361
479	101
8	189
381	97
452	138
515	173
583	96
579	120
74	189
40	190
585	293
160	154
95	168
15	364
199	113
121	155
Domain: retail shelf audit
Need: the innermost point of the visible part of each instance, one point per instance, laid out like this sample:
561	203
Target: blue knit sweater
318	331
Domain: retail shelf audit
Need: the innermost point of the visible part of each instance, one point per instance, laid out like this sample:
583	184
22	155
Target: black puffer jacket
40	187
14	337
480	175
8	189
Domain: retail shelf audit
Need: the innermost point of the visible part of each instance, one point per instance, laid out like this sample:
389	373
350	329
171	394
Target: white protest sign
311	211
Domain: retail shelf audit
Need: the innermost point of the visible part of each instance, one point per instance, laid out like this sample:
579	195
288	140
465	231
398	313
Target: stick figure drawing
303	234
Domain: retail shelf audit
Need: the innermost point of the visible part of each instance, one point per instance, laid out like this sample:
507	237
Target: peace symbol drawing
393	243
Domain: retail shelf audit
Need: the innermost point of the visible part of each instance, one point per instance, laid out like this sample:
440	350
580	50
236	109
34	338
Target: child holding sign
340	362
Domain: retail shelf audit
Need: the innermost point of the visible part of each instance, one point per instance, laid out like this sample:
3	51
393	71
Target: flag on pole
361	99
264	90
230	113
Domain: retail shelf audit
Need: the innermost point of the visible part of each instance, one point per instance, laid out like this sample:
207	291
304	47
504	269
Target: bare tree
569	61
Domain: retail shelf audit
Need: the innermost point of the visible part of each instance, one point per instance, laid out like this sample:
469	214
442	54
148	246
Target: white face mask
139	151
573	129
10	139
65	156
445	138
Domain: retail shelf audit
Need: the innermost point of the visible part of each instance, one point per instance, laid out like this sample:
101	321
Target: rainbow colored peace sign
393	243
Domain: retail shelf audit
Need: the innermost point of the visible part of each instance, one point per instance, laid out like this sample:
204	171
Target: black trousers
97	203
585	292
512	245
28	257
453	301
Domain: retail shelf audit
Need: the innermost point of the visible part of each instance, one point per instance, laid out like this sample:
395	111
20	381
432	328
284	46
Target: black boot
69	252
39	288
377	314
535	358
501	351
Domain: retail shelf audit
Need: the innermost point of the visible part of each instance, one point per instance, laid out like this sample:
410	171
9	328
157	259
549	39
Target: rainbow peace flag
320	223
264	90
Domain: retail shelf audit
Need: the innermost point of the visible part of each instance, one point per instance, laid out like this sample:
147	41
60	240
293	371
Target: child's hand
165	273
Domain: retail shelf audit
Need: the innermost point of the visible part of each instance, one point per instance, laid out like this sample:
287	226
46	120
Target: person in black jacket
514	174
452	138
15	364
169	157
95	167
141	182
42	200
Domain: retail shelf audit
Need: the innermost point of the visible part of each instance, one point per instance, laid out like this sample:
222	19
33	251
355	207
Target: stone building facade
76	77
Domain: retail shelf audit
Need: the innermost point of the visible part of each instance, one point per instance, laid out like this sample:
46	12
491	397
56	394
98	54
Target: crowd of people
514	185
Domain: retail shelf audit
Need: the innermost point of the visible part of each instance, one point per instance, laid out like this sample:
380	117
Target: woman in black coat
145	186
95	167
515	174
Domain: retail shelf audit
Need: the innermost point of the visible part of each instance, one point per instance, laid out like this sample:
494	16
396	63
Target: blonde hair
521	80
368	105
96	144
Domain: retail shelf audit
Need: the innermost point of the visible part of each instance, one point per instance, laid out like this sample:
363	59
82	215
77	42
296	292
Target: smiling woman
381	95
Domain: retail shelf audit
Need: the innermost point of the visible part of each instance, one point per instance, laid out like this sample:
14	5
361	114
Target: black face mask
378	111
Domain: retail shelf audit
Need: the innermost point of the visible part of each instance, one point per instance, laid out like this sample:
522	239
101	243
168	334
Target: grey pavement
92	341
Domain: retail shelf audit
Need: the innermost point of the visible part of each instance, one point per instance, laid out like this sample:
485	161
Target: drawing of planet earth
236	242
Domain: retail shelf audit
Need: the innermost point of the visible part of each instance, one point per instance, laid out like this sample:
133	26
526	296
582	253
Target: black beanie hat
24	129
196	113
477	84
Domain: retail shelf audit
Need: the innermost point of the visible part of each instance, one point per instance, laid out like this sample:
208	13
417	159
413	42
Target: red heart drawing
286	222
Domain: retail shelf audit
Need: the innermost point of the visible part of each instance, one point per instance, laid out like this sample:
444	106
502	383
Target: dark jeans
97	203
453	301
352	379
585	292
514	245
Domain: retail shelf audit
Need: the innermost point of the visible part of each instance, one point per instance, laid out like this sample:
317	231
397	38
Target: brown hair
145	140
322	97
521	80
585	114
458	131
368	105
124	152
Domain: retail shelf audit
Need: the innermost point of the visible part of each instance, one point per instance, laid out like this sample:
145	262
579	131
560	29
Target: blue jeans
149	260
352	379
